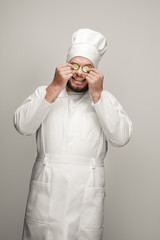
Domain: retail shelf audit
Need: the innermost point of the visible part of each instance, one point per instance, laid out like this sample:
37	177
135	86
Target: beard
79	90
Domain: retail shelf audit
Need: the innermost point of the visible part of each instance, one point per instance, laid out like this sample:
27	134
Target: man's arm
29	116
115	122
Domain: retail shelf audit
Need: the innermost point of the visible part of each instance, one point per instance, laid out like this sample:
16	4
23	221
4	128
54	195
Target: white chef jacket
88	116
72	129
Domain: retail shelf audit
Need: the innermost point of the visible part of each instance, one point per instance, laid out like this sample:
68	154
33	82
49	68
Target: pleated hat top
87	43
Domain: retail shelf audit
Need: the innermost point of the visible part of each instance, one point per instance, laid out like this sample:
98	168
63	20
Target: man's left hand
95	83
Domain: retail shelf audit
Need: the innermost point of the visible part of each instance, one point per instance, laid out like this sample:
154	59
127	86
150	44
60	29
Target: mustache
75	79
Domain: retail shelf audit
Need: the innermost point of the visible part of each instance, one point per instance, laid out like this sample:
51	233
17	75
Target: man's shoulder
106	93
42	88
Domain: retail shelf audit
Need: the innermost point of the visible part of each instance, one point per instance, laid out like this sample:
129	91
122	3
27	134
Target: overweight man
74	120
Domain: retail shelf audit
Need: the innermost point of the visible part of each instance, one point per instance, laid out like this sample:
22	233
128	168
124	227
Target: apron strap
69	159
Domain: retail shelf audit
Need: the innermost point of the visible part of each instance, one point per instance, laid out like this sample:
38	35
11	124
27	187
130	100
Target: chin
78	88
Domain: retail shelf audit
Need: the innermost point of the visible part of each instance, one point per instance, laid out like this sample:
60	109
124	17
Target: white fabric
67	186
75	96
87	43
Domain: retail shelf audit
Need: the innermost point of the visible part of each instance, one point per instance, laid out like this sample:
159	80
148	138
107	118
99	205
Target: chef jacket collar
64	93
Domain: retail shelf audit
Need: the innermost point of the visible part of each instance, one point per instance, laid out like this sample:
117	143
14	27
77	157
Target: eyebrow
84	64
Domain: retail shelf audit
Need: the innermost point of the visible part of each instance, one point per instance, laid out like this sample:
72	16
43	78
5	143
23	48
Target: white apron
66	199
67	186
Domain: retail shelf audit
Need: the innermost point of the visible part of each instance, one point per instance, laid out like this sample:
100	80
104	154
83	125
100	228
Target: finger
67	72
71	65
89	79
66	65
66	69
93	69
93	74
68	76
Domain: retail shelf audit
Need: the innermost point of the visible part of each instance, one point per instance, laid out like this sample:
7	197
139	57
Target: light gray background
35	36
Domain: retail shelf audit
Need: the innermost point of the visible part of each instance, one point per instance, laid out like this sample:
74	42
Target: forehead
81	60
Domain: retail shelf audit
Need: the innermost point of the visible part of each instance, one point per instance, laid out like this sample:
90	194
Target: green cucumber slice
76	66
85	68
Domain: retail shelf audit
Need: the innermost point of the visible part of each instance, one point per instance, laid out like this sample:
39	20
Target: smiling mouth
78	80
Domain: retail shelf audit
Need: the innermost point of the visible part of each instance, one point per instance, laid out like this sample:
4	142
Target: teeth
78	80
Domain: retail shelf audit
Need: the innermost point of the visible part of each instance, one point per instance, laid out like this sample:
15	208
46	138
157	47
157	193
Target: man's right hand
62	74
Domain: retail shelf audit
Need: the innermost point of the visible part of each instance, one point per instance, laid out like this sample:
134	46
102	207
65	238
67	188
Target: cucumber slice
76	66
85	68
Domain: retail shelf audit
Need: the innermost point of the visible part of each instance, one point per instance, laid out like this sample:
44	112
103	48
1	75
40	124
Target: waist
69	159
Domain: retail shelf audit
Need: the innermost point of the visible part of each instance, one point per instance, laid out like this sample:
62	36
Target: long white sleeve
32	112
114	120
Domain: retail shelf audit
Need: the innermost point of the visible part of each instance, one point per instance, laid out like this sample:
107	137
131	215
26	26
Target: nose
80	73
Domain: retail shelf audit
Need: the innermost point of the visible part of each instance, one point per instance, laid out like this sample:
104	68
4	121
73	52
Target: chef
74	120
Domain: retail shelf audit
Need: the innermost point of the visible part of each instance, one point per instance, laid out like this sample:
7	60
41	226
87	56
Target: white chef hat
87	43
